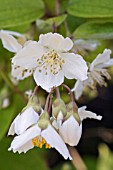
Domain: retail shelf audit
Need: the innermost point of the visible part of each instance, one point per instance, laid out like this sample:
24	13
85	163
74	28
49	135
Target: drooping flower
50	61
71	129
96	74
26	118
41	134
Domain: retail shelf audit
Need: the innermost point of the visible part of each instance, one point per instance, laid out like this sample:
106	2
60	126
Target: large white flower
23	121
97	72
34	136
70	130
51	61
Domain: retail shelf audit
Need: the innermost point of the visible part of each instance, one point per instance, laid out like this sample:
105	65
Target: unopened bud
43	121
35	103
59	109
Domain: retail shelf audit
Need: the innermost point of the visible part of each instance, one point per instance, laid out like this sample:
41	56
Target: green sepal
72	107
72	110
35	103
43	121
57	107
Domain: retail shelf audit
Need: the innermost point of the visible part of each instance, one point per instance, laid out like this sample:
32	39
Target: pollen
40	142
50	62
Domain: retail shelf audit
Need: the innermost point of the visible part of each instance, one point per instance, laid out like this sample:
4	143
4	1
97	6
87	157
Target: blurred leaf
31	160
47	24
105	160
7	115
50	7
56	20
90	162
18	12
91	8
94	30
74	22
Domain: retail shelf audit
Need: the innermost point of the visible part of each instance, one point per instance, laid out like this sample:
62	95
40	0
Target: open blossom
48	60
70	130
37	136
23	121
97	72
27	117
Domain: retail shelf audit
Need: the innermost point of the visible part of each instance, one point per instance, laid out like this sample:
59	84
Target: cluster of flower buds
55	126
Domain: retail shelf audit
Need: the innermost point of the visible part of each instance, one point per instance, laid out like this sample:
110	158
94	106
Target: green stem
11	85
57	92
70	92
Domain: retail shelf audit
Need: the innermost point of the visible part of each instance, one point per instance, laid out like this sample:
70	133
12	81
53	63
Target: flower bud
43	121
59	109
35	103
72	109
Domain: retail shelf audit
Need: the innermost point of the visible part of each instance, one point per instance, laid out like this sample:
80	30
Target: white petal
26	119
101	59
22	143
87	114
107	64
27	57
12	127
74	66
71	131
9	42
20	73
86	44
55	141
78	89
16	34
56	41
48	81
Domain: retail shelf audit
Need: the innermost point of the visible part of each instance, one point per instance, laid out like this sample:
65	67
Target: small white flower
82	45
70	130
35	136
11	44
97	72
23	121
51	61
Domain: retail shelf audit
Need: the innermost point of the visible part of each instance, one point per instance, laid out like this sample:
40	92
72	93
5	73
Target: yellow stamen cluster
50	61
40	142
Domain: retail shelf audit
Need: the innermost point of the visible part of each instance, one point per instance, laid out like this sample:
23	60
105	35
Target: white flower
34	136
70	130
51	61
23	121
96	73
90	45
20	73
11	44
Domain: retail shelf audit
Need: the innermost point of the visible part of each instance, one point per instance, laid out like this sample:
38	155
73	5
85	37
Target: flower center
39	142
50	62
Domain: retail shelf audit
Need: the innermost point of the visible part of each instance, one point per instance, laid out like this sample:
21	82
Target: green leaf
47	24
19	12
8	114
105	160
94	30
91	8
31	160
